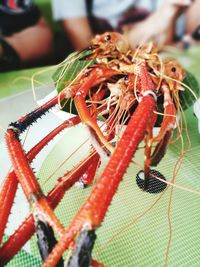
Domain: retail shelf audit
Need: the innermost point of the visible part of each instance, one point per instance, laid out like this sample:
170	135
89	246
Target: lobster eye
86	74
173	69
108	37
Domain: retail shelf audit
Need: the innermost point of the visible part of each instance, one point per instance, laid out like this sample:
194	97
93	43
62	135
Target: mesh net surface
136	229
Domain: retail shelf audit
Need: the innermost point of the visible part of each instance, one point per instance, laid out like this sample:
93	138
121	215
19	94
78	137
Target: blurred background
44	32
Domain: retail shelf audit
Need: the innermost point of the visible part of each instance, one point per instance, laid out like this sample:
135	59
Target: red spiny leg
8	190
88	176
147	87
148	148
41	209
145	80
42	212
166	129
93	211
169	118
9	186
27	229
95	77
37	113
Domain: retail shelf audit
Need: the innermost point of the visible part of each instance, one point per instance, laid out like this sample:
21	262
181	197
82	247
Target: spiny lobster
122	86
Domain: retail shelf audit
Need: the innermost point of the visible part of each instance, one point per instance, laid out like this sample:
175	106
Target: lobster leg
82	107
88	176
7	196
148	148
42	211
147	85
9	186
163	137
8	191
27	229
166	129
93	211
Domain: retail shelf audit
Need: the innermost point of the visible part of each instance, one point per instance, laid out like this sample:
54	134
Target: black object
46	240
196	34
81	256
14	20
31	117
18	6
9	58
154	185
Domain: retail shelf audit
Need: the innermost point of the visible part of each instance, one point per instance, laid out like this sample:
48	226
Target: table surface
135	231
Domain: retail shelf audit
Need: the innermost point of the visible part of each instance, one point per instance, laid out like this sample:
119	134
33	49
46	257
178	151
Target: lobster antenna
77	76
161	69
64	161
128	225
34	80
181	83
175	172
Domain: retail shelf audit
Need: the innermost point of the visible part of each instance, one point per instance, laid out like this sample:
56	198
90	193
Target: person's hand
158	27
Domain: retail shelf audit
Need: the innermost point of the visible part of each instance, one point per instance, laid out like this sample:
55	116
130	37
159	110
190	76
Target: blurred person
163	22
192	29
172	21
25	37
82	19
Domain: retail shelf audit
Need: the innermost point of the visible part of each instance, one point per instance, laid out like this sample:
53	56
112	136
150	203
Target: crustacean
121	87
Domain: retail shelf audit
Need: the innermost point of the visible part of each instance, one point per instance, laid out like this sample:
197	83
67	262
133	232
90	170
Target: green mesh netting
133	233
